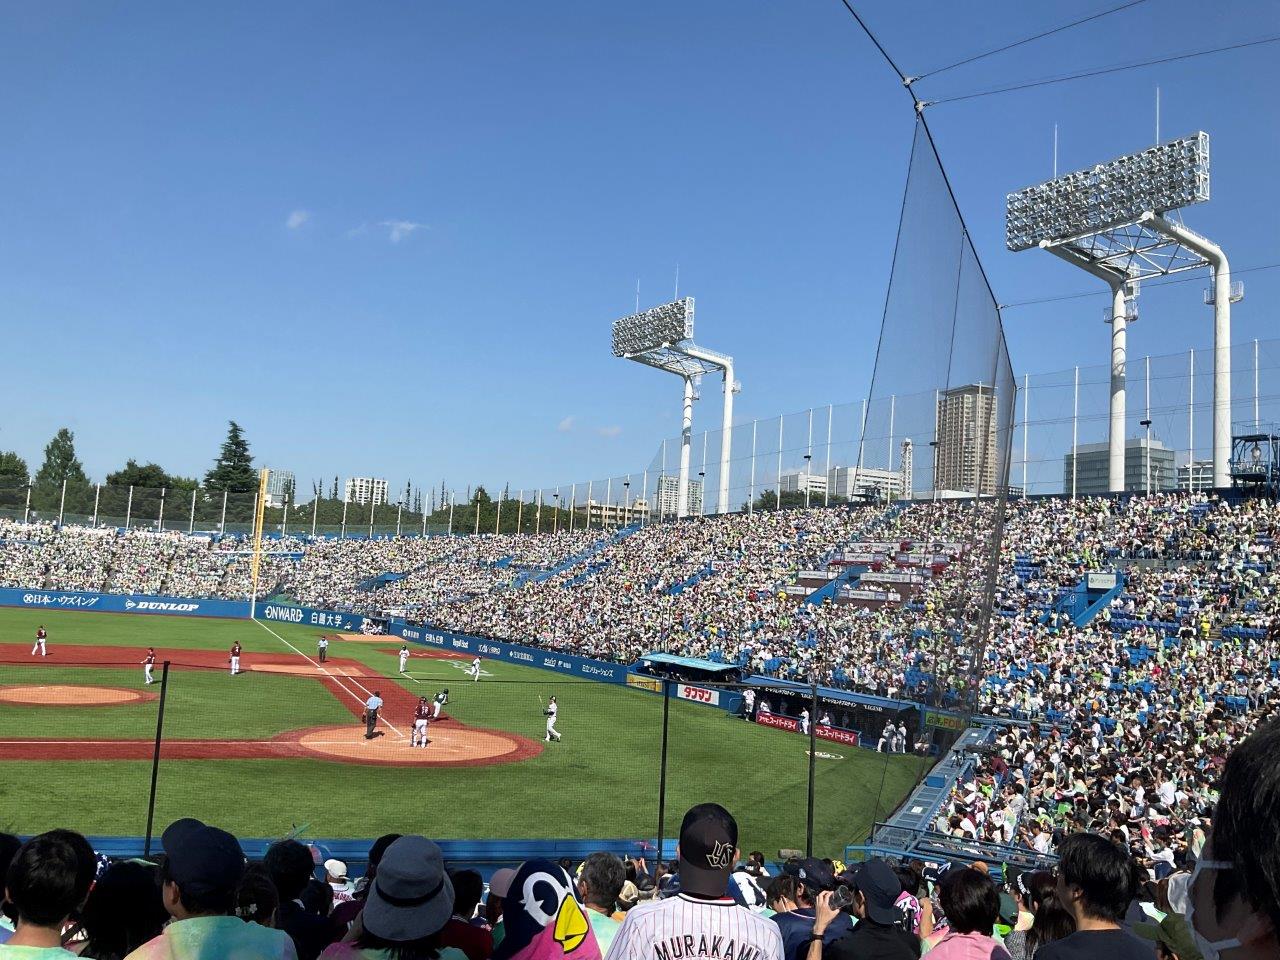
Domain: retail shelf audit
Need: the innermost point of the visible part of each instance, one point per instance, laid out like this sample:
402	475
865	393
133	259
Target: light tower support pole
1221	337
686	442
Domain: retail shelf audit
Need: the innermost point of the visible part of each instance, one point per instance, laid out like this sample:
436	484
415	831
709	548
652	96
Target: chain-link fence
101	740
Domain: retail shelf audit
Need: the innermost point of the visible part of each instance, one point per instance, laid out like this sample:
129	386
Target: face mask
1209	949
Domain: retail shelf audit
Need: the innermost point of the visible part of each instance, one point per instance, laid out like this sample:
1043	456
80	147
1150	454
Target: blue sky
389	239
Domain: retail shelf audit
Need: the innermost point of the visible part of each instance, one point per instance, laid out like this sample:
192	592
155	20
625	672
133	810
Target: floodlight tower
662	337
1110	221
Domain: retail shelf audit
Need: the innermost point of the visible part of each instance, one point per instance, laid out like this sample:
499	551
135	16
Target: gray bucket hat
411	896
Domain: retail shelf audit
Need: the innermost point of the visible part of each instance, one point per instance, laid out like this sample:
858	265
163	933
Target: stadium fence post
155	759
315	513
62	502
662	769
128	510
26	511
222	524
97	492
191	522
813	754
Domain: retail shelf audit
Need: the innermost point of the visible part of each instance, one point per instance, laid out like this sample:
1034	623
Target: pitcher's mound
450	746
69	695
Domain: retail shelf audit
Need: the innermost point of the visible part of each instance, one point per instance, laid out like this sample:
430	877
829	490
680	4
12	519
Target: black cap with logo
708	845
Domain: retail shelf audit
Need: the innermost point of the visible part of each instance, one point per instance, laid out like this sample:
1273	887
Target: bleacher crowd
1117	726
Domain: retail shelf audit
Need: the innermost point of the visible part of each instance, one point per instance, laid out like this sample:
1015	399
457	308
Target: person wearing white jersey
148	663
701	922
404	656
474	672
804	721
552	711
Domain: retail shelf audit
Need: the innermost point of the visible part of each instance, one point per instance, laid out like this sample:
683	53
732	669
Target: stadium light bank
662	337
1110	221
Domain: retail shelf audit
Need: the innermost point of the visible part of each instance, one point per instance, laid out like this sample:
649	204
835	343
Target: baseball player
474	672
371	708
748	704
404	656
41	636
825	721
234	659
551	711
804	721
441	699
148	664
421	717
322	648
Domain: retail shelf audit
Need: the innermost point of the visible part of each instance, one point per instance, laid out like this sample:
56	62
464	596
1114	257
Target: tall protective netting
941	412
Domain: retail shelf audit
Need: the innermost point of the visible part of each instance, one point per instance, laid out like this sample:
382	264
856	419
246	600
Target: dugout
668	666
862	712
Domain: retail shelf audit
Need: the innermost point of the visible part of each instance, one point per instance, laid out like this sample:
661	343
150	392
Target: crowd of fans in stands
1117	726
202	900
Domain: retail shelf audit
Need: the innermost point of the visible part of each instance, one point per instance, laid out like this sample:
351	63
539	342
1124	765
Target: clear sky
389	238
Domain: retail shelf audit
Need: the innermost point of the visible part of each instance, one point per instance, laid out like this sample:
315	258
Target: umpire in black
371	708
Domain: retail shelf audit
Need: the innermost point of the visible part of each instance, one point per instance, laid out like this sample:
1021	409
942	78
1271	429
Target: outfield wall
122	603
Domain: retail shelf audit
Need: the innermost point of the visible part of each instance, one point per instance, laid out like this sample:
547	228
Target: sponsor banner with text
461	643
310	617
698	694
121	603
777	721
838	734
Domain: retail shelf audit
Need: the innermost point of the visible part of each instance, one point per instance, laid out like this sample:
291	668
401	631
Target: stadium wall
122	603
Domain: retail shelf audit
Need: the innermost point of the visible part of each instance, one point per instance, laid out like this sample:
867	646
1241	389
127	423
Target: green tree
60	464
13	470
135	475
233	470
481	496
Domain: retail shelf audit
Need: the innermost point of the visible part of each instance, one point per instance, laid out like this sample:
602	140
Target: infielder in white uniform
804	721
474	672
41	636
404	656
441	699
148	663
551	712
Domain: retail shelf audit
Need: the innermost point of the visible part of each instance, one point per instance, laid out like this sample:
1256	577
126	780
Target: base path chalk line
352	693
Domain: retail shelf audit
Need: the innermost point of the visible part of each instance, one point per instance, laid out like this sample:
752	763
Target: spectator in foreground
290	865
543	920
199	876
124	910
499	885
599	884
1234	901
811	877
406	907
345	913
256	898
1050	920
336	875
708	850
475	942
972	906
9	846
878	935
1096	883
45	884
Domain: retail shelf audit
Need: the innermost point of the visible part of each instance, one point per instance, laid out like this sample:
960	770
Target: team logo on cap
721	856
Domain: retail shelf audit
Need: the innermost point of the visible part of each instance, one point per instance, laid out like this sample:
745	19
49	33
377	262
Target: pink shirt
968	946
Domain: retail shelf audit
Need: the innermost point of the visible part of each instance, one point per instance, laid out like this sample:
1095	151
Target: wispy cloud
297	219
565	425
398	230
611	431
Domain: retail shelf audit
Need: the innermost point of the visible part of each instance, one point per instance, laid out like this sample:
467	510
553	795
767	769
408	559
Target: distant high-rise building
279	487
798	481
851	482
669	494
365	490
966	429
1092	468
1196	475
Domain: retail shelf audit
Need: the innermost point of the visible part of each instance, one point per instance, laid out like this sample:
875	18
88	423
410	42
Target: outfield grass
602	781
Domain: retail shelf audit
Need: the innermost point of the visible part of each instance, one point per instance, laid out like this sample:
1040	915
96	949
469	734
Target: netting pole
284	519
644	495
315	514
1075	425
662	476
781	420
589	482
751	493
62	503
497	520
128	509
537	516
373	509
608	499
662	768
893	404
160	519
826	493
155	758
191	521
26	512
1255	382
520	511
399	514
222	524
1191	423
808	460
424	514
1026	393
451	500
477	530
813	769
342	530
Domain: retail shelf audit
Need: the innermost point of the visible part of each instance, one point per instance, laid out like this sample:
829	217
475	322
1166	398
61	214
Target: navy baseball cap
202	859
880	885
813	873
708	844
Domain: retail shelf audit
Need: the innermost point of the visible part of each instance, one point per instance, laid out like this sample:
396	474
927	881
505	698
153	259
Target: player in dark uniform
441	699
41	637
234	659
148	664
421	718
